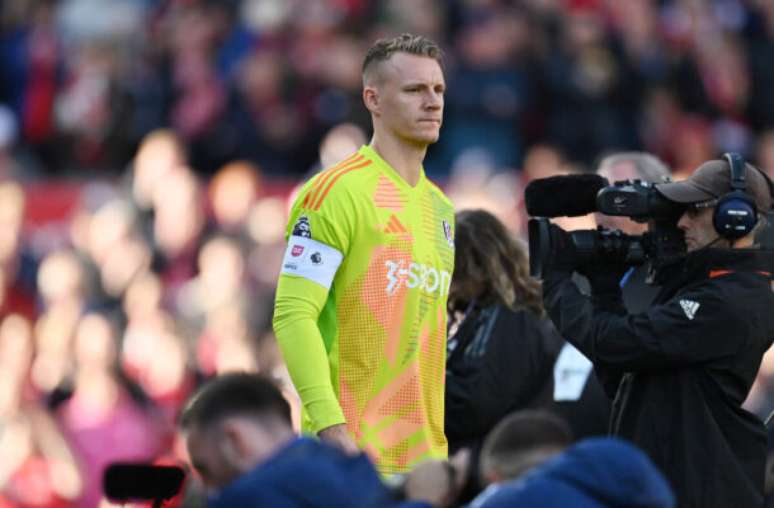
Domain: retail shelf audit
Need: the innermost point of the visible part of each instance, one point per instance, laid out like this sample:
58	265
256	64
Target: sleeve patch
302	227
311	260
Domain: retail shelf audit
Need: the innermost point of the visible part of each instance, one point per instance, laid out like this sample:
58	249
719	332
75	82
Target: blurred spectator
520	442
761	397
489	88
501	349
38	466
264	81
765	157
595	473
17	292
232	192
105	418
258	93
240	441
339	143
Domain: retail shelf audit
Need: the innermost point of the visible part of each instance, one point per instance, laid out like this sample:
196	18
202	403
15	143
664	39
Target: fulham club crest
447	232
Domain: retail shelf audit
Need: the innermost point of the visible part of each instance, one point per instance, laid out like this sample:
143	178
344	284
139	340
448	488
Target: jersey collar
369	152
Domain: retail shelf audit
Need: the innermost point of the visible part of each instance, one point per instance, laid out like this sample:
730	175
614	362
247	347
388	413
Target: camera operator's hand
604	274
563	257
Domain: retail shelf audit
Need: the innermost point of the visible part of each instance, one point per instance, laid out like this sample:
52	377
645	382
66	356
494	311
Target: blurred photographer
682	368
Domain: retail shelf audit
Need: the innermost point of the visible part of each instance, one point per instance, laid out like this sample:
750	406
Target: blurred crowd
185	124
264	80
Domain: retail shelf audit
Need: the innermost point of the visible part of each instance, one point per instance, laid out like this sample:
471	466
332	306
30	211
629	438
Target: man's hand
338	436
438	482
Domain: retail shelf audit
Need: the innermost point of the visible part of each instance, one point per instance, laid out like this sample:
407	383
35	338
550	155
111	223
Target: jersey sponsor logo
689	307
447	232
302	227
416	275
297	250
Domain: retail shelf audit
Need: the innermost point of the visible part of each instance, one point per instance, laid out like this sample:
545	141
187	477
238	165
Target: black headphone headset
735	214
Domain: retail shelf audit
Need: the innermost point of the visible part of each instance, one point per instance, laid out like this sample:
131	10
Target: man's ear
371	99
232	445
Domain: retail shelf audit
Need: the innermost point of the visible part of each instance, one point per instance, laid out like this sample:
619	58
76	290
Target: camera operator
578	394
684	366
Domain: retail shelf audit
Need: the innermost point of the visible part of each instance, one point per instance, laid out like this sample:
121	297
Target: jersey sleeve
317	242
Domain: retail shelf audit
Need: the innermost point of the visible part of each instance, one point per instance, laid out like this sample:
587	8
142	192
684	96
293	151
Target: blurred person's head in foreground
403	88
232	424
630	166
520	442
594	473
490	266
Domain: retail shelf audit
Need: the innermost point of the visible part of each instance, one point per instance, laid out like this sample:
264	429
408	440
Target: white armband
311	260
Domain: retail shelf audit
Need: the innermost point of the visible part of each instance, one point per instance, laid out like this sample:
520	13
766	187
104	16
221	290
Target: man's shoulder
732	296
336	183
305	470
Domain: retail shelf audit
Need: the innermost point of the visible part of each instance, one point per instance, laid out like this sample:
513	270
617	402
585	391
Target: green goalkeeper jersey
360	312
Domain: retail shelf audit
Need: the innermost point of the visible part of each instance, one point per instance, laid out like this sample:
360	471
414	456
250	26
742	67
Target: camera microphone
563	195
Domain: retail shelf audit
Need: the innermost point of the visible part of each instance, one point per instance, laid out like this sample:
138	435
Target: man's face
698	228
206	452
409	97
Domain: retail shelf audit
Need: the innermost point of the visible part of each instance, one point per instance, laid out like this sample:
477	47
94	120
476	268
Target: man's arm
297	308
694	327
316	247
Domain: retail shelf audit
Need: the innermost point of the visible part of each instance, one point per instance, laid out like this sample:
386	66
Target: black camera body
663	244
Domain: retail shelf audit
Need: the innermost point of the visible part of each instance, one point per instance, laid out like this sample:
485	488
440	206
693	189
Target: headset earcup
735	215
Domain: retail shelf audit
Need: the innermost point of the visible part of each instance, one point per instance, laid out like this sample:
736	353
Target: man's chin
428	139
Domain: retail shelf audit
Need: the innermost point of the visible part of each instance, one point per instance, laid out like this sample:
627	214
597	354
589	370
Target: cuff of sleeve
324	413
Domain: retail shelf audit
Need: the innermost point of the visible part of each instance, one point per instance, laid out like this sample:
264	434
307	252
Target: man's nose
434	101
684	221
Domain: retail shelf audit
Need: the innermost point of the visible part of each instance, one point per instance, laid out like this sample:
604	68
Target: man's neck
406	159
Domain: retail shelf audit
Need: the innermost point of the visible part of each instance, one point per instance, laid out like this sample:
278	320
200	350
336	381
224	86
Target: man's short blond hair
383	49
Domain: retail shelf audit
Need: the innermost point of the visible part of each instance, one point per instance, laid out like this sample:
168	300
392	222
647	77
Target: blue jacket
595	473
308	473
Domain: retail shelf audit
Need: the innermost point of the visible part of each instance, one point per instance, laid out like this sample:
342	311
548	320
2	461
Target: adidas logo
689	307
394	226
